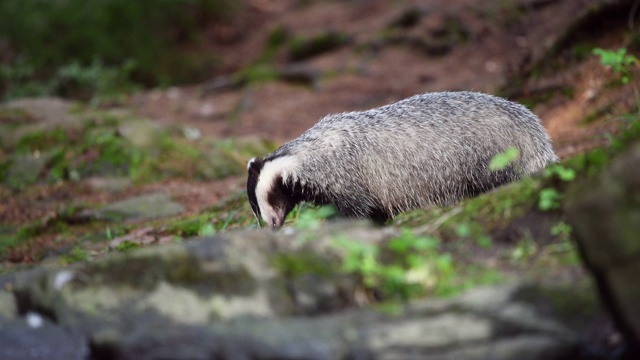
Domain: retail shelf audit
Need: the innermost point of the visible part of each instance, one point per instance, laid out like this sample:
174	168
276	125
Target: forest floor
488	47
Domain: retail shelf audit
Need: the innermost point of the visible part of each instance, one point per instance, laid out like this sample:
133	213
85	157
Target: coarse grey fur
429	149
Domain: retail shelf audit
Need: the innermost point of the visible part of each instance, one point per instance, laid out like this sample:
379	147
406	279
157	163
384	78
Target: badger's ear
254	166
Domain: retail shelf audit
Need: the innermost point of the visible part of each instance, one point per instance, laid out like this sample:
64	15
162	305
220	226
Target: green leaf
563	173
484	242
463	230
502	160
426	243
207	230
549	199
126	246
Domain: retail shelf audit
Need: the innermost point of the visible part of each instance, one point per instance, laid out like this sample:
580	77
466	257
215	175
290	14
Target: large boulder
230	297
605	214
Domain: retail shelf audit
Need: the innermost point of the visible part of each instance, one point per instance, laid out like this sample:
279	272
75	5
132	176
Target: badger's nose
275	223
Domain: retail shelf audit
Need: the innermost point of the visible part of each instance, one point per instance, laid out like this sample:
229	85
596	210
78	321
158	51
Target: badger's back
432	148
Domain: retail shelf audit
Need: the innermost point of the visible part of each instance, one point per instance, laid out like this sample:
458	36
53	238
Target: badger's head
269	188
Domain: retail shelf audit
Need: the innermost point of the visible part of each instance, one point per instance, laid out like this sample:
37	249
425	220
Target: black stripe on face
252	181
282	200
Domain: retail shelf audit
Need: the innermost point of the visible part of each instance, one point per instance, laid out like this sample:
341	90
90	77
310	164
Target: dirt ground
504	40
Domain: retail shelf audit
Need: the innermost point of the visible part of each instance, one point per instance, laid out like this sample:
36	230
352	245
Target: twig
432	227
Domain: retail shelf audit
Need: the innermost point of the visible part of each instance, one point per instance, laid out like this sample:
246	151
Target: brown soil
503	41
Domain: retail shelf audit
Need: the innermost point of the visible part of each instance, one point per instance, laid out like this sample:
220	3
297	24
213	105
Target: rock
50	110
150	206
25	170
301	74
110	184
605	215
8	307
231	297
141	133
40	340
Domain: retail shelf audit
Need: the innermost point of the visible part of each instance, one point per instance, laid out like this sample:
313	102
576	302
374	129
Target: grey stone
21	341
150	206
110	184
141	133
609	208
605	215
50	110
25	170
8	306
227	297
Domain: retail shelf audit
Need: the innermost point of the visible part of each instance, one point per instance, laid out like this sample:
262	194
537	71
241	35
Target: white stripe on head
285	167
250	162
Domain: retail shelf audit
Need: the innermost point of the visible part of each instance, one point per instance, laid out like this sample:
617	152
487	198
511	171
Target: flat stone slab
149	206
225	297
37	339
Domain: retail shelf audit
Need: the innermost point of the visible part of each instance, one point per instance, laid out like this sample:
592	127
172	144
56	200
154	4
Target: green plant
54	40
618	60
263	69
504	159
303	48
193	226
562	230
311	217
93	81
108	233
108	152
524	250
207	230
126	246
76	254
406	266
257	73
563	248
11	241
562	172
550	198
41	141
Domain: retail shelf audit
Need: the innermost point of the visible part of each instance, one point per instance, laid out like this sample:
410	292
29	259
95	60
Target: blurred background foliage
80	48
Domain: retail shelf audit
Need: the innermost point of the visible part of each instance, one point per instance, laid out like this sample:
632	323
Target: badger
432	149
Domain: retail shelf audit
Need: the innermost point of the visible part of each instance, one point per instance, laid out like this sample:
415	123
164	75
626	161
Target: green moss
257	73
75	255
303	48
302	263
467	278
478	216
147	270
109	153
41	140
189	227
263	69
14	116
126	246
575	304
10	241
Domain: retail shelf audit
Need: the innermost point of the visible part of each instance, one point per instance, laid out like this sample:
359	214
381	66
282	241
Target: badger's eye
274	222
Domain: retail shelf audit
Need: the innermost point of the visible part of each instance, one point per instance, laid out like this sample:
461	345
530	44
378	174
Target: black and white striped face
268	195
